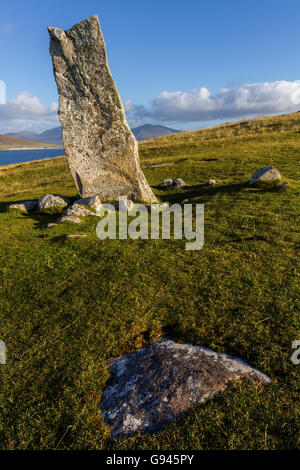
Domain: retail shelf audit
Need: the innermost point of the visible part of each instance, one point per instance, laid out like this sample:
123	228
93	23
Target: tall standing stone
101	150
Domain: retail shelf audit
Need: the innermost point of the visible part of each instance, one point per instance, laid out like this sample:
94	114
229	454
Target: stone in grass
52	203
101	151
185	201
212	182
76	235
158	207
167	182
153	385
92	201
78	210
268	174
69	218
178	182
51	224
25	206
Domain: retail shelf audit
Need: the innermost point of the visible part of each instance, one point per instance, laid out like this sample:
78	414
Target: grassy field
68	306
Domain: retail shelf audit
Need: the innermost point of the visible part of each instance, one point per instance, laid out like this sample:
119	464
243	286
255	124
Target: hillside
54	136
7	142
68	306
150	131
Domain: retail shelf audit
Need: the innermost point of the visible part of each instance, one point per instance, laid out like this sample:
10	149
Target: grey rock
69	218
179	183
52	203
267	173
153	385
25	206
92	201
78	210
212	182
51	224
76	235
158	207
101	151
185	201
283	185
167	182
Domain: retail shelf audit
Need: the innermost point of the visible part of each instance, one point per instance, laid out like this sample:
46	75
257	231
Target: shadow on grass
200	190
41	219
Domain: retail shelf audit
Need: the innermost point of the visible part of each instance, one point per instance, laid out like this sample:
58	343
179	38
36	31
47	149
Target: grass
68	306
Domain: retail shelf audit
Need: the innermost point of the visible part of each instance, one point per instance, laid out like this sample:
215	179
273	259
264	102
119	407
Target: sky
185	65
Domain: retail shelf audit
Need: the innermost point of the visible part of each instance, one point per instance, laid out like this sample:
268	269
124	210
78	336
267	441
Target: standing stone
101	150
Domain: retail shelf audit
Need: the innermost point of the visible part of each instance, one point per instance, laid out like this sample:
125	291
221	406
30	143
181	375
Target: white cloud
249	100
26	112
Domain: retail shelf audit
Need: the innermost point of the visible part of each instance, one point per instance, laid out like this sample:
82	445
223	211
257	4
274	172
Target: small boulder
212	182
25	206
78	210
51	224
69	218
92	201
178	182
52	203
267	174
167	182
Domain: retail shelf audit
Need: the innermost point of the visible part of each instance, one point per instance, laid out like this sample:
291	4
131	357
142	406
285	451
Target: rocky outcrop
179	183
52	203
267	174
153	385
167	182
93	202
101	150
78	210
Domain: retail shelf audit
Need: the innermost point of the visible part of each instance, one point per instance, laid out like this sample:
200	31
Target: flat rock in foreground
153	385
101	150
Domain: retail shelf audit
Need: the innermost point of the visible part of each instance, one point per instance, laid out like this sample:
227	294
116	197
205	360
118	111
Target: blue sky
183	64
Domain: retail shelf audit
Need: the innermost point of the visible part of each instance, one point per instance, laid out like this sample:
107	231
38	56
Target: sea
19	156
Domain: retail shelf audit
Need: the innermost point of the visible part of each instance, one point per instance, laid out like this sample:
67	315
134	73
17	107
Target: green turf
68	306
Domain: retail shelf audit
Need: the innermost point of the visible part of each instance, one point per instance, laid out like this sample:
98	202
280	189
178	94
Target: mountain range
54	136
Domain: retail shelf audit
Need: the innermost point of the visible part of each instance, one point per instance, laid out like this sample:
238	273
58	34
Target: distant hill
8	142
52	136
150	131
146	132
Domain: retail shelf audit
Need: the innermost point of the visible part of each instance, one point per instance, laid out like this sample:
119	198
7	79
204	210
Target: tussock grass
68	306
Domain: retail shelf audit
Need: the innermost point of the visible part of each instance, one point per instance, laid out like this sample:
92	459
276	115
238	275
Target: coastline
30	148
10	165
